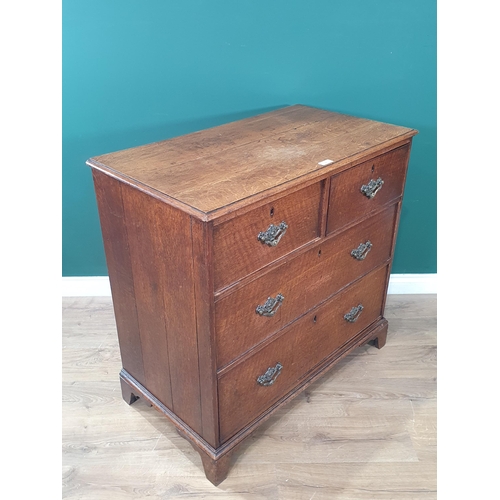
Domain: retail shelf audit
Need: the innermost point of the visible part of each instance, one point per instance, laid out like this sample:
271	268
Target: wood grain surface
118	259
203	287
237	251
162	273
366	430
304	281
298	348
239	160
347	202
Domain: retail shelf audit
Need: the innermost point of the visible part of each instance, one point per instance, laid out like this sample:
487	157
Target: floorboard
366	430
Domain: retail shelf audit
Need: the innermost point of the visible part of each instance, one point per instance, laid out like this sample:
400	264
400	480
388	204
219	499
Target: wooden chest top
211	172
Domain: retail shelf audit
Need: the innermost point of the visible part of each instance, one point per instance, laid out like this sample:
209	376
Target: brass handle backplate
362	251
353	314
273	235
271	306
372	188
270	376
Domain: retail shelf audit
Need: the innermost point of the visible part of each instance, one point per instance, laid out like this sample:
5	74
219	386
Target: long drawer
254	384
256	311
246	243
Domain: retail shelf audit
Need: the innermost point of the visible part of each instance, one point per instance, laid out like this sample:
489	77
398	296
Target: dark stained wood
203	283
162	265
243	206
128	396
366	336
246	280
298	349
323	207
381	338
396	226
139	212
238	252
393	246
304	281
184	430
216	470
347	202
174	152
180	220
255	163
114	232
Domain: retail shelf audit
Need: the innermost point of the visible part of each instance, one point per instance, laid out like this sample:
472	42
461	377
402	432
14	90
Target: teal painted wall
140	71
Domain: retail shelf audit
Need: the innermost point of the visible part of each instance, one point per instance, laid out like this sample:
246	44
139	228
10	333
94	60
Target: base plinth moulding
217	461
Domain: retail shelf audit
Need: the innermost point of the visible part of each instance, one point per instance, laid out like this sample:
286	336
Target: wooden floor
366	430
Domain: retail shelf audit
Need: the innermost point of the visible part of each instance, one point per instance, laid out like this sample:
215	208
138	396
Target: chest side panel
161	263
118	259
204	302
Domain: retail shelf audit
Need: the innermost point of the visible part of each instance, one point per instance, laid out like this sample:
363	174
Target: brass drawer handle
353	314
273	235
372	188
270	376
271	306
362	251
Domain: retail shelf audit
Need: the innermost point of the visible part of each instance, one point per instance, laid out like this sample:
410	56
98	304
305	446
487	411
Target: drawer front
366	187
246	317
302	346
247	243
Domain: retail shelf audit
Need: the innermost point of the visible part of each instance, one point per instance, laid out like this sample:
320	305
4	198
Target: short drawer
247	243
366	187
250	387
256	311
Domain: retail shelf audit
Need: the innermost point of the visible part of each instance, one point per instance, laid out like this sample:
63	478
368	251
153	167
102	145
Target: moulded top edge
206	172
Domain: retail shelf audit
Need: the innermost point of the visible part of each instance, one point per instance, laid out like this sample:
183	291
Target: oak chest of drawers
245	260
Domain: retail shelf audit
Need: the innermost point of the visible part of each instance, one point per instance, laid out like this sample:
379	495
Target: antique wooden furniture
245	260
